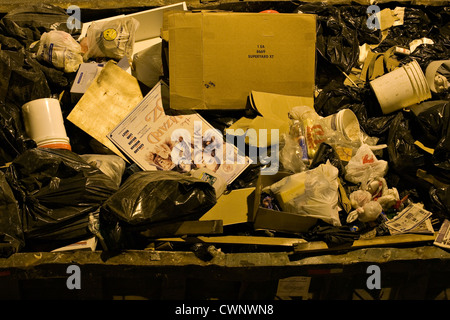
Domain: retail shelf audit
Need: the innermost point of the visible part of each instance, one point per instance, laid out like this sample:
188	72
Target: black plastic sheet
56	191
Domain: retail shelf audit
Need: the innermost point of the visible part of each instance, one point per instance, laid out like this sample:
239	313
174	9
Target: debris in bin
154	139
438	75
393	147
44	123
409	218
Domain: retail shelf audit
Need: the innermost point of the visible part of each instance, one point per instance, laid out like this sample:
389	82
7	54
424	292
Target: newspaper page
443	237
425	227
181	142
408	219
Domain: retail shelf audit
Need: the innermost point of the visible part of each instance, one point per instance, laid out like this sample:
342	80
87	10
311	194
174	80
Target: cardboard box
86	73
280	221
217	58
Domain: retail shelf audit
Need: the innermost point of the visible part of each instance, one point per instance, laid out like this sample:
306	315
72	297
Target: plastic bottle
313	131
297	132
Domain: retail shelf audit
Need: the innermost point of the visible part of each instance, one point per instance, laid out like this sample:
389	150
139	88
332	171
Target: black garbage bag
339	32
11	235
28	23
419	22
13	140
22	78
440	201
332	235
404	156
57	191
432	128
147	198
336	96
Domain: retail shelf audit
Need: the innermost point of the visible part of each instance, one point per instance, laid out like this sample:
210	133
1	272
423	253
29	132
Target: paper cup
44	123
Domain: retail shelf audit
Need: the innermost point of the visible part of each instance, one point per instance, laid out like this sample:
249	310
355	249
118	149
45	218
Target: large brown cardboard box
217	58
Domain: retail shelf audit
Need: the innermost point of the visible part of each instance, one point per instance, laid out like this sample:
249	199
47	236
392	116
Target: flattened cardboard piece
252	240
111	96
274	109
233	208
217	58
182	228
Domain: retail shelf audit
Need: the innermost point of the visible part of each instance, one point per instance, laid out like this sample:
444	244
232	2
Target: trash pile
169	127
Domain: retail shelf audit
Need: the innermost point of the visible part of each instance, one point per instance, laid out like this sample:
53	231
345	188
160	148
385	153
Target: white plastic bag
313	193
364	166
61	50
111	39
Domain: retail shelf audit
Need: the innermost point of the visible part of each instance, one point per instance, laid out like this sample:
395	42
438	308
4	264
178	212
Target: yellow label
109	34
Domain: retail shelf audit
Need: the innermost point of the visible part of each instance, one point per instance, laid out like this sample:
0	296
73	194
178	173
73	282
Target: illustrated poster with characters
157	141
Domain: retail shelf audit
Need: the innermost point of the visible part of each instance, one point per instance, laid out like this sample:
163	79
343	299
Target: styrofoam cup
44	123
346	122
401	88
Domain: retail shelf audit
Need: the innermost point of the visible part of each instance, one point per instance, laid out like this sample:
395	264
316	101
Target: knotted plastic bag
61	50
364	166
110	39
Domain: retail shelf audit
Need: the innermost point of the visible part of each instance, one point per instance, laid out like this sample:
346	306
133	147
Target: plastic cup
346	122
44	123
